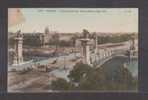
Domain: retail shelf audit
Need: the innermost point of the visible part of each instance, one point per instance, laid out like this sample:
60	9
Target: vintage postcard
72	49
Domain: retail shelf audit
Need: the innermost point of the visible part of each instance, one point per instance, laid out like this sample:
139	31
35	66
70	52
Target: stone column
18	48
85	51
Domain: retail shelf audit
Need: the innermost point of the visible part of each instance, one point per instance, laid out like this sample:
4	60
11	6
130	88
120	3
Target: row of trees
84	77
34	40
55	40
115	38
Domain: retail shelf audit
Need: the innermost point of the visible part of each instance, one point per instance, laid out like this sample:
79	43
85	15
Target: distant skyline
71	20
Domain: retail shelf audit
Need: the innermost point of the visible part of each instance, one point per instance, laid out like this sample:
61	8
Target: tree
61	84
73	39
84	77
55	40
114	38
79	71
95	80
123	79
100	80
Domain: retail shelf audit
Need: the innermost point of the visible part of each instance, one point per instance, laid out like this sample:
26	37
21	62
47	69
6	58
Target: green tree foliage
79	71
32	40
123	79
100	80
95	80
63	43
55	40
61	84
88	78
114	38
11	42
73	40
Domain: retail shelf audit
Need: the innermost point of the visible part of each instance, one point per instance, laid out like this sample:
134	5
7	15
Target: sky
71	20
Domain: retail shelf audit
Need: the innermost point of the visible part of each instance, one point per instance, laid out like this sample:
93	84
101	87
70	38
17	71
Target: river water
110	65
114	63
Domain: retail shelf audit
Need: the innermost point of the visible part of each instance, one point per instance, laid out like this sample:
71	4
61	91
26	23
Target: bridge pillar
85	50
18	58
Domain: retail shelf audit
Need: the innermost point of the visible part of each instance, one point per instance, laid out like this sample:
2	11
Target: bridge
108	52
100	62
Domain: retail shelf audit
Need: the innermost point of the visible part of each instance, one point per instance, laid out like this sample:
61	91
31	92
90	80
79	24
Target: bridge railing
101	60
